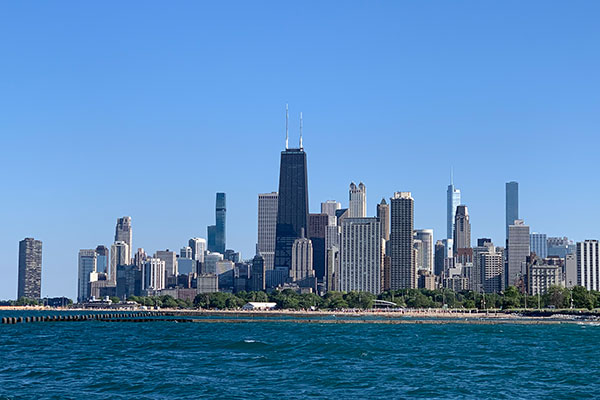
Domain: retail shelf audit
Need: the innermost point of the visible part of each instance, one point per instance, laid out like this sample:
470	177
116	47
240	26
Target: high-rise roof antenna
287	117
301	129
452	176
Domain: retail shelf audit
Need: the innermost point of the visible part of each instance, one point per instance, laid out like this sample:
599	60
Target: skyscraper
86	265
512	204
426	253
153	274
330	207
267	223
588	266
383	214
360	255
302	260
462	228
102	259
123	232
292	203
518	251
119	255
539	244
452	201
198	246
358	201
317	232
220	232
170	259
403	274
30	269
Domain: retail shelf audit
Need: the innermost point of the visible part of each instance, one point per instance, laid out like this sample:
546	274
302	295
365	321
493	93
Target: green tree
582	298
115	299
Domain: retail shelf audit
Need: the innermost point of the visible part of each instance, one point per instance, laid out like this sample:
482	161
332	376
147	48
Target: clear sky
148	108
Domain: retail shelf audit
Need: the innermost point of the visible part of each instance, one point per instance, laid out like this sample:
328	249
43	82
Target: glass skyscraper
220	214
512	204
452	201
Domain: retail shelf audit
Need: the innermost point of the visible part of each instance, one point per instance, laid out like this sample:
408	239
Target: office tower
123	232
210	262
86	265
452	201
426	253
518	251
153	274
139	258
258	275
129	281
560	246
333	267
462	228
119	255
317	232
292	204
448	248
358	201
482	241
539	244
403	274
330	207
198	246
588	266
185	252
220	218
102	259
267	223
170	259
512	204
302	260
30	269
233	255
361	255
211	234
484	245
492	265
383	213
439	257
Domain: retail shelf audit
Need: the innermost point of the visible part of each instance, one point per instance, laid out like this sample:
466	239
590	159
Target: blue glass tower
512	204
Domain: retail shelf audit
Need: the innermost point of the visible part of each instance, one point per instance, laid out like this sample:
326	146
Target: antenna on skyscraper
301	129
287	117
452	176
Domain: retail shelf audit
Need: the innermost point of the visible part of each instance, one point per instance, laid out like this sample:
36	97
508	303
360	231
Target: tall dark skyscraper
403	272
512	204
220	214
30	269
292	204
217	233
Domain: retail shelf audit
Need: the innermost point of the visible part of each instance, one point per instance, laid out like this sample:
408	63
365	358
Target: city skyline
83	117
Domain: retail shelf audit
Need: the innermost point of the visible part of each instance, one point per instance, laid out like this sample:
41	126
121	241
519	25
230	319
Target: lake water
157	360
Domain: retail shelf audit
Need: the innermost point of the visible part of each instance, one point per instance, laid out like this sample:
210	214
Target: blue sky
148	108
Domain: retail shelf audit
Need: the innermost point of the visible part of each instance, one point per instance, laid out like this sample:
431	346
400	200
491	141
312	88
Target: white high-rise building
267	223
588	266
198	246
492	266
452	201
302	260
330	207
518	251
360	265
425	255
87	264
358	201
153	274
119	255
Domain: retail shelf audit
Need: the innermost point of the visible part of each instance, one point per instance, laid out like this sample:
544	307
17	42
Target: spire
301	130
452	176
286	126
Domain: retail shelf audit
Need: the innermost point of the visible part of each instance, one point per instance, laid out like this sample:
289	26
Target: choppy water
103	360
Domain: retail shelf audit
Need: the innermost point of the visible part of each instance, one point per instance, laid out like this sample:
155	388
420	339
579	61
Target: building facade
302	260
361	255
588	265
462	228
267	223
518	251
425	256
383	214
538	242
452	201
30	269
403	274
119	255
512	204
357	201
124	232
198	246
86	264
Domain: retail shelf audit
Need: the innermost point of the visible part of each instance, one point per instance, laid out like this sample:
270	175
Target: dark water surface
157	360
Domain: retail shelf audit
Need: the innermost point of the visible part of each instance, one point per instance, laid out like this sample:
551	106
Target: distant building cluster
336	249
